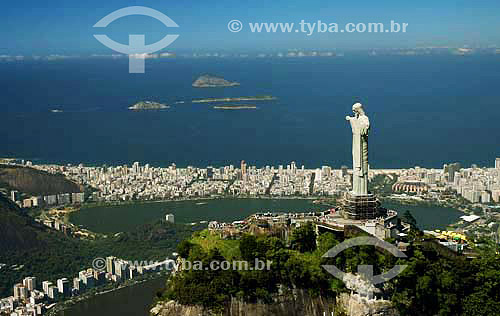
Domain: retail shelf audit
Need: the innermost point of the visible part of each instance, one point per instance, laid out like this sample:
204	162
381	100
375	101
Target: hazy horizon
58	27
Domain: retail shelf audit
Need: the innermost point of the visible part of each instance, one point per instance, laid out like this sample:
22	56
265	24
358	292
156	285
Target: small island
235	107
252	98
148	105
208	81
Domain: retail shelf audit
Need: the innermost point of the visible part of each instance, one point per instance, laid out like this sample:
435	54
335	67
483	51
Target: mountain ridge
17	230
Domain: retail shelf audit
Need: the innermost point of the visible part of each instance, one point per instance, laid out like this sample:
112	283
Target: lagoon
135	300
126	217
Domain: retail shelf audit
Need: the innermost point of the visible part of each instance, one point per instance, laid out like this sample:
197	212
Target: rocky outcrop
35	182
356	305
298	304
209	81
173	308
148	105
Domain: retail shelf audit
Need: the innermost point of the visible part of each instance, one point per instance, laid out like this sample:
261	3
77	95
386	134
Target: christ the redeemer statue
360	125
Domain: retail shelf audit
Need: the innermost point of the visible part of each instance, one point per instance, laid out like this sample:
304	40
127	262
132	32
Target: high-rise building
451	169
110	265
243	170
326	171
14	195
317	175
485	197
20	292
78	198
64	198
100	277
63	286
121	270
132	272
50	199
45	286
344	170
30	283
135	167
53	292
78	285
88	279
495	195
36	201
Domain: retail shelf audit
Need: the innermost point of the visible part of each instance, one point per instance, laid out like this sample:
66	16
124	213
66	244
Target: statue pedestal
361	206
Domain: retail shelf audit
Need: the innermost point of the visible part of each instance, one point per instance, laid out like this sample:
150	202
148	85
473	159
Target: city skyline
145	182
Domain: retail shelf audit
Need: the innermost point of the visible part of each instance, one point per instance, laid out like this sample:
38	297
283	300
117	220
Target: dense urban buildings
476	185
123	183
144	182
31	299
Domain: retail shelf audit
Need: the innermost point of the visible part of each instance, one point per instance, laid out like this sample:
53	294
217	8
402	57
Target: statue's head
357	108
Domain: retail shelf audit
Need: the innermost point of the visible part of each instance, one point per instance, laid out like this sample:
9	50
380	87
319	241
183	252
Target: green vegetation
304	239
436	285
48	254
210	81
228	248
290	267
17	230
436	281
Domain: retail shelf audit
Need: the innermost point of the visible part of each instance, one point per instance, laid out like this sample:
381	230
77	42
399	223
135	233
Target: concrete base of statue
361	206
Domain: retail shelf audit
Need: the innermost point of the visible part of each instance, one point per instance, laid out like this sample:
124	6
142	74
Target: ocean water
424	110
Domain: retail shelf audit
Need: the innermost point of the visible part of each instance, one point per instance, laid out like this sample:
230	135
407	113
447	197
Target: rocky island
252	98
235	107
208	81
148	105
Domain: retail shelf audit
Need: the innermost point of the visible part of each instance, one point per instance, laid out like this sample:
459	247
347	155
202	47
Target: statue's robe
360	127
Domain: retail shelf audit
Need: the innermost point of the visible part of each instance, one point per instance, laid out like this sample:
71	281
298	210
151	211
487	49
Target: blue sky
65	26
